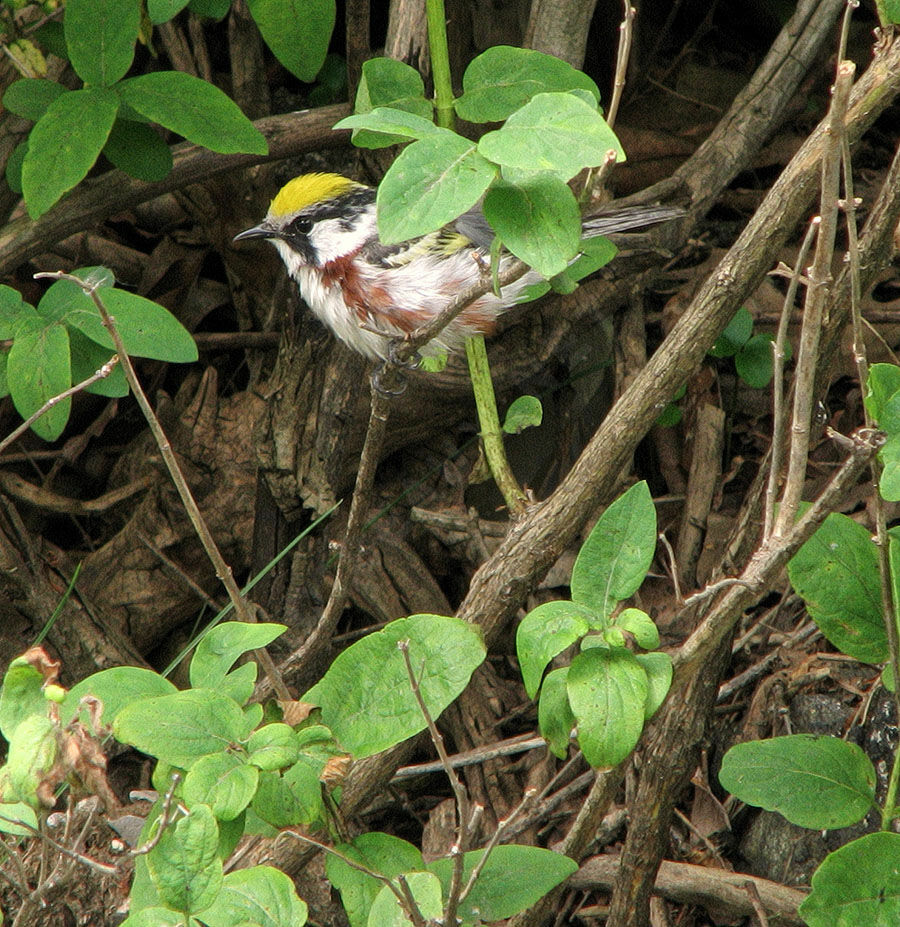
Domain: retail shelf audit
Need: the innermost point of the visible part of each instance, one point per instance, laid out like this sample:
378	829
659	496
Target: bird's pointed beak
258	231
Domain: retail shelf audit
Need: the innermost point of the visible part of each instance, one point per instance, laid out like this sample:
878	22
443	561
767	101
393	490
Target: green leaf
261	895
538	220
13	171
200	112
21	696
382	853
555	718
882	384
31	755
889	455
220	647
817	782
210	9
146	328
608	692
596	252
155	917
504	78
543	633
297	31
64	144
433	181
223	782
182	727
30	98
735	335
273	746
137	149
755	363
641	627
366	696
87	358
553	132
15	811
658	667
836	574
13	311
116	688
161	11
385	126
292	799
523	412
857	884
614	560
426	891
513	879
39	368
184	865
100	35
386	82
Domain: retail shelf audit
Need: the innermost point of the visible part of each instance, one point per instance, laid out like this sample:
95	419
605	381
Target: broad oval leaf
184	865
556	132
100	38
735	335
273	746
433	181
199	111
297	32
38	368
425	888
137	149
116	688
608	693
366	697
393	85
537	219
555	718
882	384
857	884
222	781
261	895
223	644
836	574
503	78
817	782
513	879
543	633
29	98
146	328
614	560
658	667
64	144
182	727
523	412
382	853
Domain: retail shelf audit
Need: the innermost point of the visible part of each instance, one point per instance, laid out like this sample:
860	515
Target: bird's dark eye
301	225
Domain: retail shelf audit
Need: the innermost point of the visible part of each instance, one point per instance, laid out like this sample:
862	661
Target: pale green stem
489	421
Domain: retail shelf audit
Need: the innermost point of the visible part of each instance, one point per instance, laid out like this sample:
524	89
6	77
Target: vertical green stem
479	371
440	62
491	433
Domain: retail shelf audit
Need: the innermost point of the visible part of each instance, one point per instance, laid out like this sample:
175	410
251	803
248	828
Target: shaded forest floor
99	500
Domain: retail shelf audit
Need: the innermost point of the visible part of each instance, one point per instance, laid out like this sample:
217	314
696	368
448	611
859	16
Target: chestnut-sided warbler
369	293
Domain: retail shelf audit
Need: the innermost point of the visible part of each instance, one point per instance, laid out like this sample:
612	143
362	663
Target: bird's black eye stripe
343	207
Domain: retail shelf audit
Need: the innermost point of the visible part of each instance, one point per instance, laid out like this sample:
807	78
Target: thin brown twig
99	374
223	570
464	819
778	359
816	300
